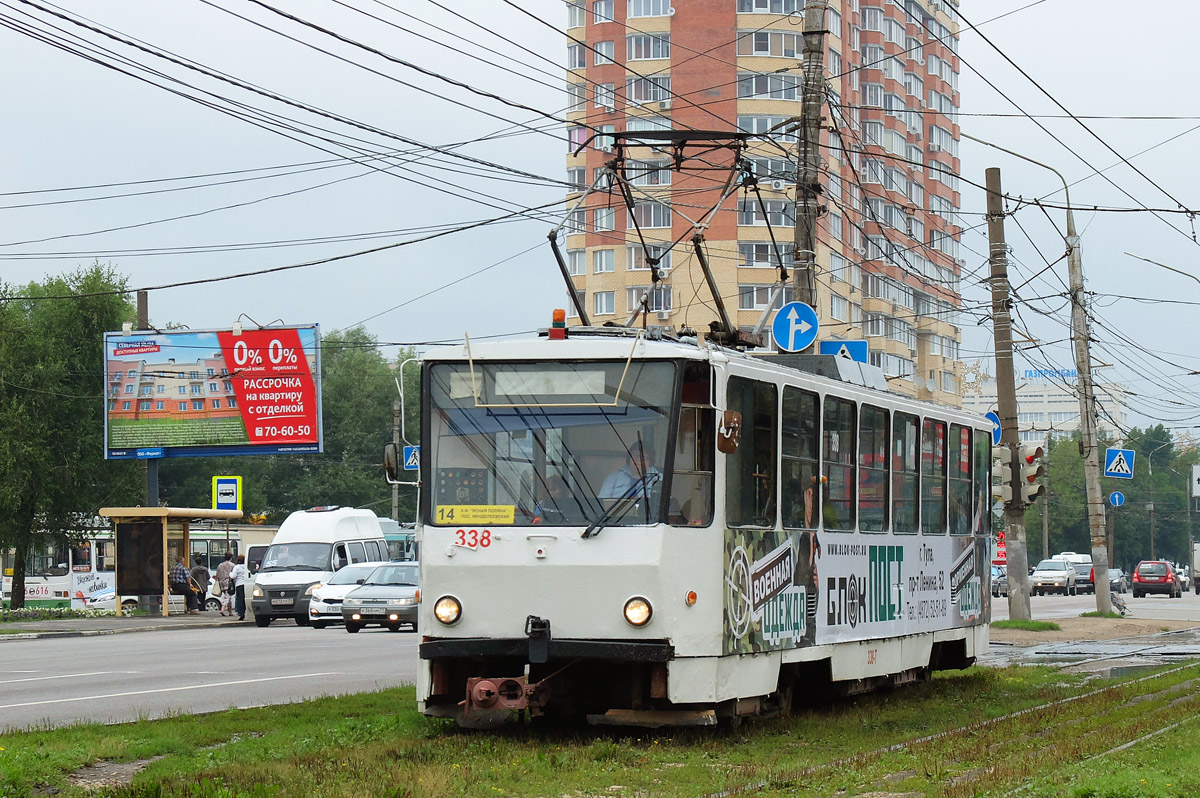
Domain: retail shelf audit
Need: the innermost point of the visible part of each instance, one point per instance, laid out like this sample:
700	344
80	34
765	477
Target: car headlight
257	592
447	610
401	602
311	588
351	603
638	611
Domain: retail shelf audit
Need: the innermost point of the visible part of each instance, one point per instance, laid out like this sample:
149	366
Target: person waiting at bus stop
224	570
200	576
181	585
238	578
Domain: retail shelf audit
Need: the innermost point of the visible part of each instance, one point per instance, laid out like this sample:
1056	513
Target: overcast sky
70	122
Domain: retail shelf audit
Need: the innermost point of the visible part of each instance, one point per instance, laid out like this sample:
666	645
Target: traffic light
1032	471
1002	474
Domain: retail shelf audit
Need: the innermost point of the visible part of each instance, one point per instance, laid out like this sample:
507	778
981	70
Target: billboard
212	393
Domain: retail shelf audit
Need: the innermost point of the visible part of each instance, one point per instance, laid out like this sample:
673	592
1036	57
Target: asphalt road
1044	608
126	677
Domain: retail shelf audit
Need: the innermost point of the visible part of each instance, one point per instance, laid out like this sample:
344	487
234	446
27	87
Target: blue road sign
993	417
795	327
412	458
1119	463
227	493
852	350
1116	498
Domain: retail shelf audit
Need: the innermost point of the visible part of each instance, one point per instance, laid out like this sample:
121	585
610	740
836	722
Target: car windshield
1152	569
1082	568
1052	565
297	557
559	444
1114	573
351	574
393	575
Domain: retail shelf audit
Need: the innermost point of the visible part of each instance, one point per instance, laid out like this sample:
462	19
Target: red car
1156	576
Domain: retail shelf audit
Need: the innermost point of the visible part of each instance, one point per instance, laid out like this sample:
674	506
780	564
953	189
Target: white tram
670	532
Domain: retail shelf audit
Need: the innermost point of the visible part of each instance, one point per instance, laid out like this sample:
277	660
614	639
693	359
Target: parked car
1053	576
1083	577
1117	581
387	597
1185	577
1156	576
999	581
325	608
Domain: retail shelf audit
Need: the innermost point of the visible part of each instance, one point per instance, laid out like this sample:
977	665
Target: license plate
283	601
371	611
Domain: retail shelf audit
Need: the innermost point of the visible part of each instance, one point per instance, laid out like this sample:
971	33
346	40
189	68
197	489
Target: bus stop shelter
148	539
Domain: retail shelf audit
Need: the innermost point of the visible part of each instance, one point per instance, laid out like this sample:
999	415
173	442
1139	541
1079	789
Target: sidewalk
83	627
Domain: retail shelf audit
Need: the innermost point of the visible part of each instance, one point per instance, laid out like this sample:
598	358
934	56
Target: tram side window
801	484
933	477
905	476
692	485
838	507
749	472
48	561
873	470
960	480
981	483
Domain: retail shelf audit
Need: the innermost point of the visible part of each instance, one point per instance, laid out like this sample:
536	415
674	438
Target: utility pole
1046	521
143	323
1150	509
1006	401
396	443
808	151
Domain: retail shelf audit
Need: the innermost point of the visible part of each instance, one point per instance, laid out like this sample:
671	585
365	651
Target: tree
53	475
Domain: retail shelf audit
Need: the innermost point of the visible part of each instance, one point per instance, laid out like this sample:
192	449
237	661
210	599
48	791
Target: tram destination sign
212	392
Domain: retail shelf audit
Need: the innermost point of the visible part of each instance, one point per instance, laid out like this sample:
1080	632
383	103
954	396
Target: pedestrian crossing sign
412	458
1118	463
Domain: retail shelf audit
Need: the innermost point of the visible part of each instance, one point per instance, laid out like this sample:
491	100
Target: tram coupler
538	631
504	693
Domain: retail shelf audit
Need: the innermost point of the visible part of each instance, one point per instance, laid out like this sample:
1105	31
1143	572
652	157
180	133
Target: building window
577	94
835	226
638	123
839	308
159	405
144	404
198	404
183	407
575	57
650	214
576	14
129	388
606	95
766	124
872	18
779	213
758	297
648	173
837	268
603	219
769	87
576	136
660	298
636	260
648	90
769	6
576	221
771	43
571	307
577	178
216	404
647	46
649	8
603	261
761	255
604	303
604	52
949	382
575	262
602	11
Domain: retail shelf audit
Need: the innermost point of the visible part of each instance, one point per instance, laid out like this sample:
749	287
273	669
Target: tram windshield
560	444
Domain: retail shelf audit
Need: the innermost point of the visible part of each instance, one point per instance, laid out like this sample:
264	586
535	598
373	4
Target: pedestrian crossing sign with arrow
1119	463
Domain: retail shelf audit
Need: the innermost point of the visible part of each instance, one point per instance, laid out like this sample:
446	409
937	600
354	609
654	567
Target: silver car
1053	576
387	597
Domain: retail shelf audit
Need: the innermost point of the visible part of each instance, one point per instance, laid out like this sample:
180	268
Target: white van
309	546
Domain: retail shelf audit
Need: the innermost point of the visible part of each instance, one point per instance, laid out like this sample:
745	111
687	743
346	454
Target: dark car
1156	576
999	581
1083	574
1117	581
388	597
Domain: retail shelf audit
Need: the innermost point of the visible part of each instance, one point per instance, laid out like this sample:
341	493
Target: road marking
64	676
164	690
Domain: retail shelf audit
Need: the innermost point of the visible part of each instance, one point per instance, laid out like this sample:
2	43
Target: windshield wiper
635	493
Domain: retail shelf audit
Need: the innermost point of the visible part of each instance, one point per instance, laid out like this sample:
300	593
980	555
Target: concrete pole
1006	401
808	154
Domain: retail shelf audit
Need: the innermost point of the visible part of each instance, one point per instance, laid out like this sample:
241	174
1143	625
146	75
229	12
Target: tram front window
561	444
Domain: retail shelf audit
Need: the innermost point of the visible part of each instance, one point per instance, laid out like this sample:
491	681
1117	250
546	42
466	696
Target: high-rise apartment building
888	263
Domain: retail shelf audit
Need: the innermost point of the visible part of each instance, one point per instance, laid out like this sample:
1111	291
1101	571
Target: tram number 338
473	538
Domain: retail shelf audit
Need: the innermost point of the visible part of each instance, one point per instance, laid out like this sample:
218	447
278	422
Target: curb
98	632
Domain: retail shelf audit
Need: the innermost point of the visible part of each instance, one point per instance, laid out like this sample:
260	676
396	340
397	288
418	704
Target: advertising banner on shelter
210	393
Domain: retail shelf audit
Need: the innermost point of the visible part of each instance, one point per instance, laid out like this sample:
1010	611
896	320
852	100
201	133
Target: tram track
1003	755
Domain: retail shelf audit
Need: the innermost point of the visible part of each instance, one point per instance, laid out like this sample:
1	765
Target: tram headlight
447	610
638	611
